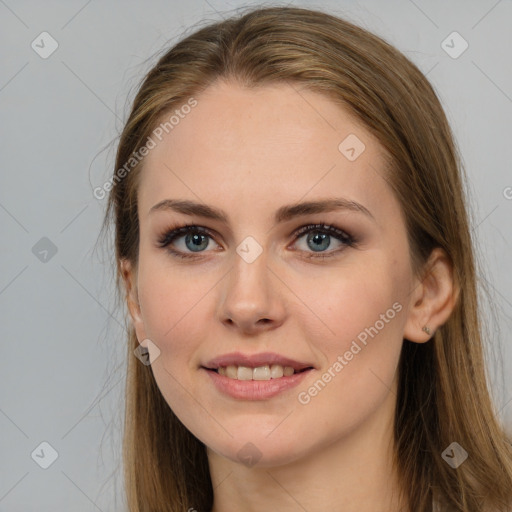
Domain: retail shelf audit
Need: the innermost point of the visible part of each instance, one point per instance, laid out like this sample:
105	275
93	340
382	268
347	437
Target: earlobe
433	298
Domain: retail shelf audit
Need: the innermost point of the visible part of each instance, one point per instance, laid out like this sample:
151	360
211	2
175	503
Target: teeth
266	372
260	373
276	371
288	370
232	372
244	373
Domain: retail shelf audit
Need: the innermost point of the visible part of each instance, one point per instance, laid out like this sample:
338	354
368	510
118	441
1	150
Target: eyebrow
283	214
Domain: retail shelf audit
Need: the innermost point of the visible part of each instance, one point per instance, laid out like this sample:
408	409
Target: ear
129	275
433	298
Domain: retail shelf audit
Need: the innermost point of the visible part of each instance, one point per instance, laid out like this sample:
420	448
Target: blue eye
319	238
196	240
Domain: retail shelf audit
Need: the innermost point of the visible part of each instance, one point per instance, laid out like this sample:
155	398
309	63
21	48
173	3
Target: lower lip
255	389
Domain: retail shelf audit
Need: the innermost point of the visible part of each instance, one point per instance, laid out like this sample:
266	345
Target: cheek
174	311
349	300
170	301
364	313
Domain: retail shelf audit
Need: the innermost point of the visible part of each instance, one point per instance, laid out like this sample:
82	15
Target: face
263	282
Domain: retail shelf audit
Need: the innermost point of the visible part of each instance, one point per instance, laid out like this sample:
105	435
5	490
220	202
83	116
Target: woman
292	238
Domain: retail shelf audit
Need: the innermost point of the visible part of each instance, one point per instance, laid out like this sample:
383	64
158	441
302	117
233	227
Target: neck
353	474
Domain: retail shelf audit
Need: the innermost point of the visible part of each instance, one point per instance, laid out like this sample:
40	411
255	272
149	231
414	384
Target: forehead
270	145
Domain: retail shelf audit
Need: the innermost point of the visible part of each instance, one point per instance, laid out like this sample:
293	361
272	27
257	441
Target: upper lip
255	360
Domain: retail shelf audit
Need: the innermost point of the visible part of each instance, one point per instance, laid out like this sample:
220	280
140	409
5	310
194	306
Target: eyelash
172	234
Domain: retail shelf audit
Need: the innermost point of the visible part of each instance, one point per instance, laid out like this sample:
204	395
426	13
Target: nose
251	298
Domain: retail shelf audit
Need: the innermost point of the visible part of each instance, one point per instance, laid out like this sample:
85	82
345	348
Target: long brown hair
443	394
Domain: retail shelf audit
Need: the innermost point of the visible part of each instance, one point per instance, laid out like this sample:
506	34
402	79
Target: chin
259	451
262	457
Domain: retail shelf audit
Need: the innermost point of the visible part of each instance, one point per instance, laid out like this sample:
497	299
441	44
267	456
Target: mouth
255	380
264	366
261	372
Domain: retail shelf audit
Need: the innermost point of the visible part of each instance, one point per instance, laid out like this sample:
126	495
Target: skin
249	152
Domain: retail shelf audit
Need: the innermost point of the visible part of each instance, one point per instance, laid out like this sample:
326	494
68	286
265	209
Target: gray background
61	332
